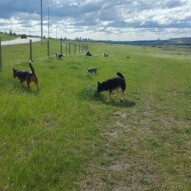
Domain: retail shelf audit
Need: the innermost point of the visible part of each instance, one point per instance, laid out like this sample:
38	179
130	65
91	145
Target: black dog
113	84
26	76
92	70
88	53
59	55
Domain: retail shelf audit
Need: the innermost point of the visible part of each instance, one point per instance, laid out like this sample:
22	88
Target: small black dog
92	70
26	76
113	84
88	53
59	55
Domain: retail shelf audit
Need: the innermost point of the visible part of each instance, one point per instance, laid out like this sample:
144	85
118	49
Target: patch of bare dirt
126	162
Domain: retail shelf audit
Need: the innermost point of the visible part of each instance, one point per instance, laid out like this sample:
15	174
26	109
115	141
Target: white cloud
116	19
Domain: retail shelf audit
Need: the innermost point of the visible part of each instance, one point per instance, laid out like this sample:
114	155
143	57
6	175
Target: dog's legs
123	95
110	92
36	83
21	81
117	92
28	84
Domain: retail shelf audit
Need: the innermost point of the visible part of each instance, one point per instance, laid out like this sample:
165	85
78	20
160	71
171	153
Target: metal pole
48	17
56	32
0	57
48	21
41	23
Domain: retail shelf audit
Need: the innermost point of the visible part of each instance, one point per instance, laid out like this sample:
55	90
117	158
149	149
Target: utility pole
41	22
48	19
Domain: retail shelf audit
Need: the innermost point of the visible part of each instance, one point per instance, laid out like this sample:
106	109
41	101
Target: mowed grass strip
55	139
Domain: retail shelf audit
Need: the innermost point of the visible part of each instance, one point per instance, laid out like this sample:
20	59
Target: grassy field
67	137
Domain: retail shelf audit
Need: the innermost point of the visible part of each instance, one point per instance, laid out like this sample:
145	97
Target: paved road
19	41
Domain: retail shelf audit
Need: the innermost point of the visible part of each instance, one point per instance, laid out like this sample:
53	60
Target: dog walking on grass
27	76
92	70
112	84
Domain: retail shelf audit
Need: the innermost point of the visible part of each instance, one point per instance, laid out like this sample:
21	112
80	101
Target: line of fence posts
82	48
68	50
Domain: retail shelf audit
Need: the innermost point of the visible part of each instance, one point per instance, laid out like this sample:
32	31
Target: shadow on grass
90	93
114	102
120	103
24	89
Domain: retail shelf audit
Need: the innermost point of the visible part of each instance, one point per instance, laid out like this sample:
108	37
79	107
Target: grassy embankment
5	37
66	137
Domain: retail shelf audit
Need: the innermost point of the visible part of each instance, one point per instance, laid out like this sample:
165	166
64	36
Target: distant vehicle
23	36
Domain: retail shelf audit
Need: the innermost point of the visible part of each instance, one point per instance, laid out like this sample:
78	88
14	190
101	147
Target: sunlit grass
48	139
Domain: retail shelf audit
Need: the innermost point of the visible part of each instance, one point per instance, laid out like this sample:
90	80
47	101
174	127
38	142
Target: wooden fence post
61	46
75	48
69	48
48	49
30	49
0	57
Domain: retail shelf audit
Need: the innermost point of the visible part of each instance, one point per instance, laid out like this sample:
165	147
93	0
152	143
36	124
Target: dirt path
121	166
127	159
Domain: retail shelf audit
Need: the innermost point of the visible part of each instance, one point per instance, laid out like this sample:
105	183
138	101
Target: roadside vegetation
67	137
5	37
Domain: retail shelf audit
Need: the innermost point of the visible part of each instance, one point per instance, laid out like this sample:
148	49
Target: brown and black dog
113	84
27	76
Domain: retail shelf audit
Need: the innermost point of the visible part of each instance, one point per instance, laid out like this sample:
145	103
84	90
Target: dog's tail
31	67
120	75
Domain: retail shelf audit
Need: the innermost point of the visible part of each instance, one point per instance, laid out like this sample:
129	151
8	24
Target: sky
121	20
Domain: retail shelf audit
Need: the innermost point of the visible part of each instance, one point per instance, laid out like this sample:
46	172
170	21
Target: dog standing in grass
92	70
88	53
27	76
59	55
112	84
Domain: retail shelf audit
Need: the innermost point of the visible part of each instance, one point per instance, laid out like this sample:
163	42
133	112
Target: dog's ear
98	83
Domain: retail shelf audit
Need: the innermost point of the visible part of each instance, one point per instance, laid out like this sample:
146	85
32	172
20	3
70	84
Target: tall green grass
5	37
48	139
